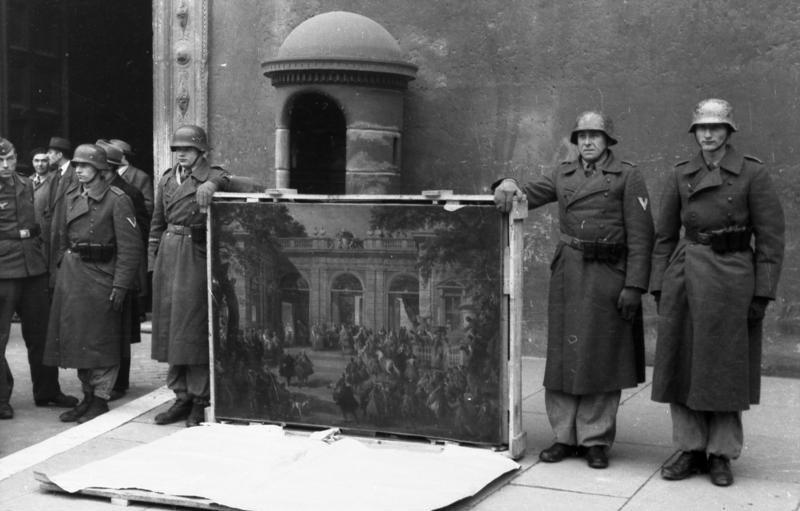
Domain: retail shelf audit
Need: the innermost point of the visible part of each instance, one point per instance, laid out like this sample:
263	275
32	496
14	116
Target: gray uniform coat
590	347
180	307
707	356
84	331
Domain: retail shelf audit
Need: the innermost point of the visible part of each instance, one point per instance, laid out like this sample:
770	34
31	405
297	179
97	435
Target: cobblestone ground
32	424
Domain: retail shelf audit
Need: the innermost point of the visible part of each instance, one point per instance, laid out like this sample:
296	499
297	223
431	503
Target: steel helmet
594	121
113	153
713	111
91	154
189	135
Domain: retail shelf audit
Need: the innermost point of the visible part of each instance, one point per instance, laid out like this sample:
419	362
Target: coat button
730	199
605	194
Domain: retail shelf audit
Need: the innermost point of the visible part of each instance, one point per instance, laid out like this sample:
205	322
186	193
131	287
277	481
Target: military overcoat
84	330
707	356
19	257
178	261
590	347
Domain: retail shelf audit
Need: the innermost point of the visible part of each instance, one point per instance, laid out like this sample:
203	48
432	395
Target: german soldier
99	257
177	257
23	286
713	285
600	269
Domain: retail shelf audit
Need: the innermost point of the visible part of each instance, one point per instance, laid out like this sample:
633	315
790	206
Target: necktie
589	170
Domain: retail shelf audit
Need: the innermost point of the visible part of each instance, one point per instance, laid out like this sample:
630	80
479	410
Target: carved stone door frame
180	72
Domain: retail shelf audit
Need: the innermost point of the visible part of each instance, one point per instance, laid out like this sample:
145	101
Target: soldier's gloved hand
117	298
630	299
505	194
758	307
204	194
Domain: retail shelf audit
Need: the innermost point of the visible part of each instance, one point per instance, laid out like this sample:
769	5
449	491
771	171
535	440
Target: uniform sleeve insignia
752	158
131	221
3	205
643	202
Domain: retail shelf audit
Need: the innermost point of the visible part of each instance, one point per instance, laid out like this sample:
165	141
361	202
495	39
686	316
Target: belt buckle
24	234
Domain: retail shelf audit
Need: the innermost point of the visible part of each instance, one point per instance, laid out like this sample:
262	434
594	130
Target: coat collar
731	162
609	163
99	191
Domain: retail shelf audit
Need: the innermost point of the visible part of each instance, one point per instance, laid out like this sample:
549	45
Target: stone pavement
767	474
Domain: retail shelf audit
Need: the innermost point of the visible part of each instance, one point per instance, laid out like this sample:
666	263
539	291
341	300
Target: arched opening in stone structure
403	303
317	145
346	300
294	309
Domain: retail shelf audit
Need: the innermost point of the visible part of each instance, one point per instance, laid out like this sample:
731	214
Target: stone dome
341	40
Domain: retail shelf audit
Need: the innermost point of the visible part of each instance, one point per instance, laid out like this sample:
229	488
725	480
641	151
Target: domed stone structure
340	79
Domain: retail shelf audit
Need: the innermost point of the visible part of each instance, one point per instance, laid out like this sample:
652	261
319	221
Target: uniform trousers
98	380
585	419
29	297
189	382
718	433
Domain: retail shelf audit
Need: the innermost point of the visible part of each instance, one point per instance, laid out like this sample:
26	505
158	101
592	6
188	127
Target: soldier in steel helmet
24	286
98	259
712	285
600	270
177	257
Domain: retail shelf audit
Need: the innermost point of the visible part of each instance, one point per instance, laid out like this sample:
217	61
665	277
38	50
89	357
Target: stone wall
501	81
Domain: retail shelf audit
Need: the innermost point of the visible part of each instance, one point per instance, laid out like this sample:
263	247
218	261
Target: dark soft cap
62	144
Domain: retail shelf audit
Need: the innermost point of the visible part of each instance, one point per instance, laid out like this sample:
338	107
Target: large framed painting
379	315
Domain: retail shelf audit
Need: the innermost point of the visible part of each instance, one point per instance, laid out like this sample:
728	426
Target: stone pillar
180	72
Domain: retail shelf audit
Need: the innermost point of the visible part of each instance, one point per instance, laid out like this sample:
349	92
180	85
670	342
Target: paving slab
746	494
517	498
631	466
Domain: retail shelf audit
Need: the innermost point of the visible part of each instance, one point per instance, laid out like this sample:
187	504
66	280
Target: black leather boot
197	414
720	470
98	406
688	463
178	411
77	412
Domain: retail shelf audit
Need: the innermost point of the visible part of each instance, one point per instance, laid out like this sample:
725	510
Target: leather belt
21	234
703	238
180	230
572	241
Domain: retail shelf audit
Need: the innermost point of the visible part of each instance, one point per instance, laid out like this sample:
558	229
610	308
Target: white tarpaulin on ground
261	467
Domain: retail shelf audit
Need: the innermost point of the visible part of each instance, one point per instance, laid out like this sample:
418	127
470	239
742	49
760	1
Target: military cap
6	147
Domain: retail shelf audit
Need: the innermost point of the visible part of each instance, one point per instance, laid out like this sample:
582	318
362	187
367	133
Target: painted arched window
347	295
403	303
294	309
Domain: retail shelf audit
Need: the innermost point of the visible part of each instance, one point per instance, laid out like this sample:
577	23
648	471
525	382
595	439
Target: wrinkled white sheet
261	467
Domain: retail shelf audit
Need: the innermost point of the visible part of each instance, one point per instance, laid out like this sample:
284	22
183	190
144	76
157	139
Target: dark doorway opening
317	145
110	77
81	69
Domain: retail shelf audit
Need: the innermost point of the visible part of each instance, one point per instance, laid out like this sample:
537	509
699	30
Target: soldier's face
54	155
711	137
41	163
8	164
86	173
591	144
187	156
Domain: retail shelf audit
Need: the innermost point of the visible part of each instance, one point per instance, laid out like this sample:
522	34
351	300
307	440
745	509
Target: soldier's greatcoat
180	309
707	356
84	331
590	347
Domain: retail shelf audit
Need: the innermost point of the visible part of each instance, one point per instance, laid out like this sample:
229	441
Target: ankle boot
197	414
74	414
97	407
179	410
